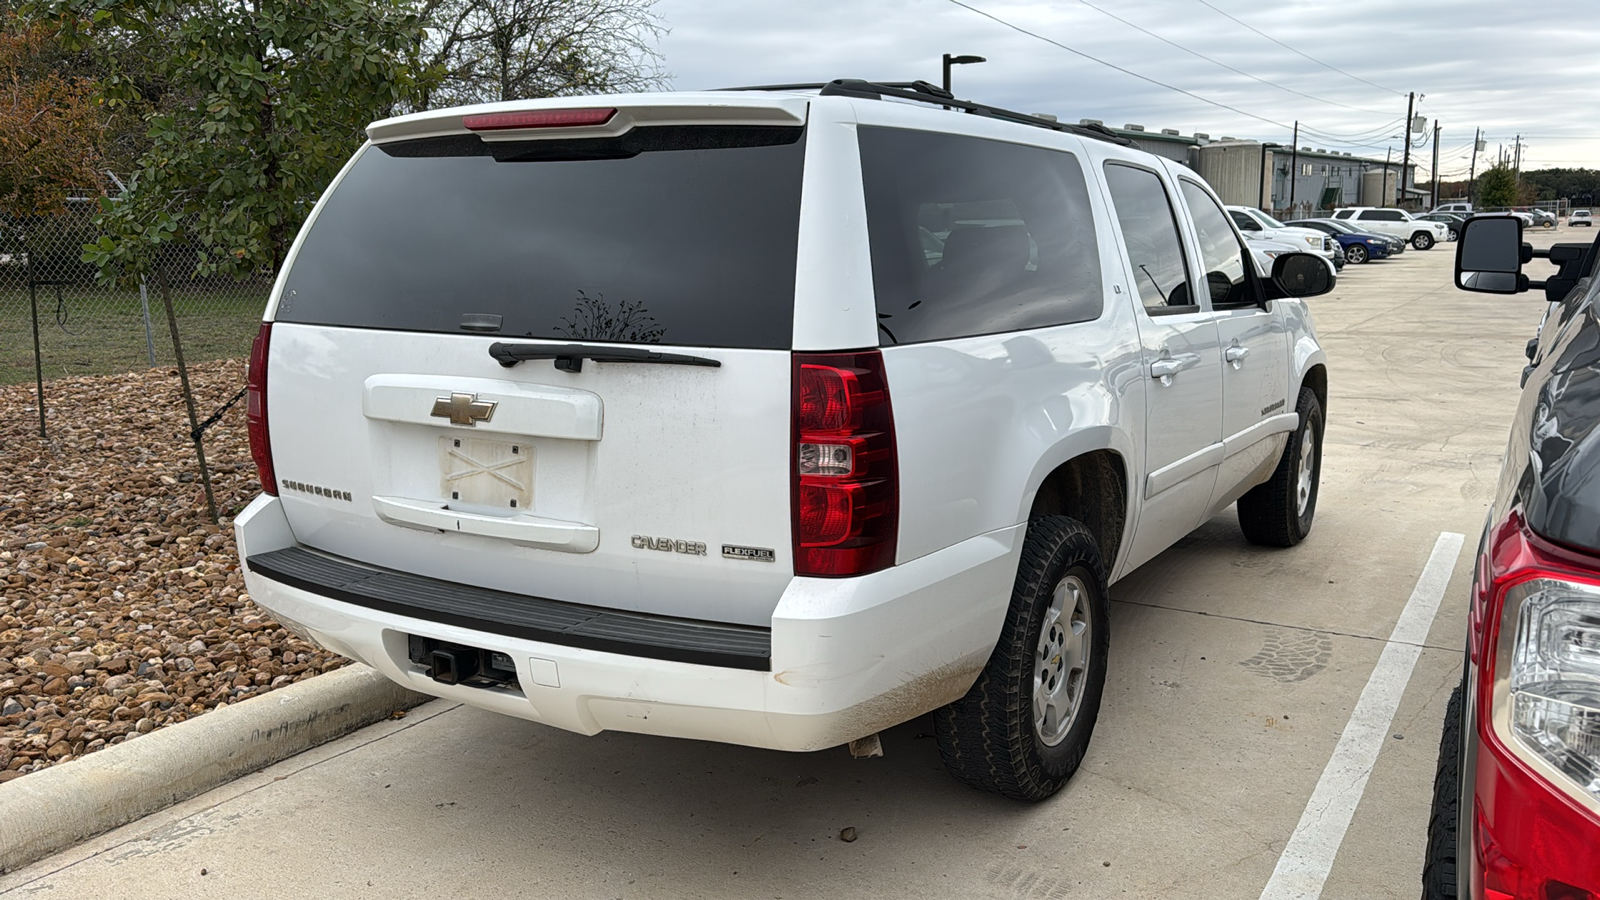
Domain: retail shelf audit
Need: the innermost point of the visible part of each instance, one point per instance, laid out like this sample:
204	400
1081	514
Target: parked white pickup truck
1256	224
1397	222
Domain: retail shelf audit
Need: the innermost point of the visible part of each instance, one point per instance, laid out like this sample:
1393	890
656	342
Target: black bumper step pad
519	615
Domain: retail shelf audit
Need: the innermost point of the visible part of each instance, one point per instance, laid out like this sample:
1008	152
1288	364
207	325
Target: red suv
1516	812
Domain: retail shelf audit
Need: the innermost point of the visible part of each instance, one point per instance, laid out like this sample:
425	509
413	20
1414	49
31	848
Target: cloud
1477	65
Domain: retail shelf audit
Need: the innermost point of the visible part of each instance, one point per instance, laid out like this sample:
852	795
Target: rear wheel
1023	728
1439	876
1355	253
1422	240
1279	512
1454	235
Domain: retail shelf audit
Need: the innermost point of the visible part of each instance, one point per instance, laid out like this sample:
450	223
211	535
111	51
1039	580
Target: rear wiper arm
570	357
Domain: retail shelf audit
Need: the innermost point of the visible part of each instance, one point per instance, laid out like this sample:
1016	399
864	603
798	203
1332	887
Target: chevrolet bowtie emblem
463	409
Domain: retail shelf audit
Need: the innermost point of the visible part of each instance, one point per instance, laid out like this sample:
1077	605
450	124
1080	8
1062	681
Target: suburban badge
464	409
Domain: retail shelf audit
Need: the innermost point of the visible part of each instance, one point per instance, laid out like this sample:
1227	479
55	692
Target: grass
93	330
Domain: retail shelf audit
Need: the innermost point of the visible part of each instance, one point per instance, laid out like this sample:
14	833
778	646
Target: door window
1229	275
1244	222
1150	231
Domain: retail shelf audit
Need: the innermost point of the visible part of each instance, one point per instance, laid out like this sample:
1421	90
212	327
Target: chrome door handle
1167	367
1235	354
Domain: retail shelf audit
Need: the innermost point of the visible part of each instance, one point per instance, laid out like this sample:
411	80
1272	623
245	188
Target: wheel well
1093	489
1317	379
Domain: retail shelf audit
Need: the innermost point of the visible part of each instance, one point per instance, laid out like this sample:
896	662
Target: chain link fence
87	328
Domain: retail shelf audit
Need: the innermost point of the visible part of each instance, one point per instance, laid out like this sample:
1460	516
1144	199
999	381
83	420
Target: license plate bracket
486	473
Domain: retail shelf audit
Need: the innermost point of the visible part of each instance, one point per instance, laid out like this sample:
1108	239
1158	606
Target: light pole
957	61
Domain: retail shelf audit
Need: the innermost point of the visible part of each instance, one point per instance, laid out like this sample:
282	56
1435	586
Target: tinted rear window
972	236
675	235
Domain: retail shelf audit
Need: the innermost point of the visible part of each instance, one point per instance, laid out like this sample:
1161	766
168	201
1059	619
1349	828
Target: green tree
264	100
49	126
1497	187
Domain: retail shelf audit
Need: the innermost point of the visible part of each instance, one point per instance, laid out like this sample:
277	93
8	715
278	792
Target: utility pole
1472	173
1405	132
1387	153
1517	166
1294	166
1435	164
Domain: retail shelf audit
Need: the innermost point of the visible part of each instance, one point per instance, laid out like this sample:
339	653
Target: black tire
1422	240
1454	235
1272	513
989	738
1439	875
1355	253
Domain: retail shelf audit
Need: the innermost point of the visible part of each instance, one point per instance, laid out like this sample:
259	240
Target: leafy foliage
264	100
1578	185
486	50
49	127
1497	187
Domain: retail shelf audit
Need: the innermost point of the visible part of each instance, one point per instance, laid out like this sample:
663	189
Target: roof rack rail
924	92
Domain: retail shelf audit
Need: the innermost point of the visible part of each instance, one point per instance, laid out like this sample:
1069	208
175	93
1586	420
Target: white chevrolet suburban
768	416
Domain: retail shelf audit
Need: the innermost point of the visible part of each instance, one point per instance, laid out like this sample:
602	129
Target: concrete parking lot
1235	673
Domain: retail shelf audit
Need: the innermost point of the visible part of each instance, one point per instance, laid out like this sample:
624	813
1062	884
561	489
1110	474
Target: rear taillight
538	118
1536	620
255	413
846	494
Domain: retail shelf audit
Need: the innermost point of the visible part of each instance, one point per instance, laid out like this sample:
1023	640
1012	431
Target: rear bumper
848	657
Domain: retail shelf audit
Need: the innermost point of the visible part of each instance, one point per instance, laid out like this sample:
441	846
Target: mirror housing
1299	275
1490	254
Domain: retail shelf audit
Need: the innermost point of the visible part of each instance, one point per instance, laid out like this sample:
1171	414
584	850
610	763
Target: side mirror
1490	254
1300	275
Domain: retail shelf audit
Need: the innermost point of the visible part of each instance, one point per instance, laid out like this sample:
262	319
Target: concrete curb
53	809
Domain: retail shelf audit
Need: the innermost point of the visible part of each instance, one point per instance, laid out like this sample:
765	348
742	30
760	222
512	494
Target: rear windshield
665	235
972	236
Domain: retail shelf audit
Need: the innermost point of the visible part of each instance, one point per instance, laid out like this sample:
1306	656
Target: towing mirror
1301	275
1490	254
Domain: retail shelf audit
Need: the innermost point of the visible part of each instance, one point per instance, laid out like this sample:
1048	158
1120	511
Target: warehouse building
1280	180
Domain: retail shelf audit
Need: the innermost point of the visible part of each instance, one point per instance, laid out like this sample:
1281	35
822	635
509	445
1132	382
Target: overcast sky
1473	63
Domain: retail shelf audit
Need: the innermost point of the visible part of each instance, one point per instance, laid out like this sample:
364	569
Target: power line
1306	55
1224	65
1020	29
1369	132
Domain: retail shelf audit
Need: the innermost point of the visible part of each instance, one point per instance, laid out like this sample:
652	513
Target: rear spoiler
631	110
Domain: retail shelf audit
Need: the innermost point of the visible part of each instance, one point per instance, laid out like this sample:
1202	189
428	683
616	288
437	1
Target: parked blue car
1359	247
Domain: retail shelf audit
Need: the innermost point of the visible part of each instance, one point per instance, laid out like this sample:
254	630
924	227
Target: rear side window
972	236
666	234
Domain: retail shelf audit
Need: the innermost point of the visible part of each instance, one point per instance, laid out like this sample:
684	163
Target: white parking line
1308	856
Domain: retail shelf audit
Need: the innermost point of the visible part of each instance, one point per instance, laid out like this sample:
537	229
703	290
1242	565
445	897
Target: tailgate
616	486
641	485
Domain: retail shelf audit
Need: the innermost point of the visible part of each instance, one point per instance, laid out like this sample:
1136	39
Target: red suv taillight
846	492
255	411
1536	629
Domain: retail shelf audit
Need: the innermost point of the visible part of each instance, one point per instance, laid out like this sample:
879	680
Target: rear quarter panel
981	421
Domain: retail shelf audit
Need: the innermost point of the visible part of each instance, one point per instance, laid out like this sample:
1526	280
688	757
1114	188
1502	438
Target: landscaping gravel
122	608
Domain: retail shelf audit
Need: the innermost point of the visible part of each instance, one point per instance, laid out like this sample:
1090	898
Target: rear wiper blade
570	357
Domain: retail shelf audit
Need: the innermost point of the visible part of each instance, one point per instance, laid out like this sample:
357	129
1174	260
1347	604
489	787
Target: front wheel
1454	235
1355	253
1422	240
1023	728
1279	512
